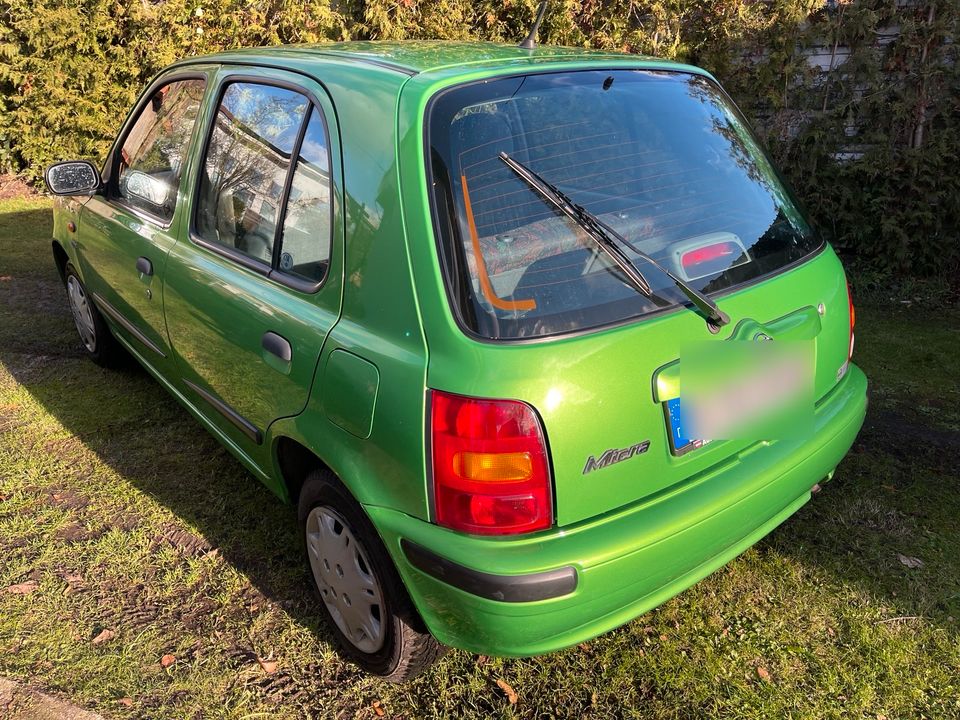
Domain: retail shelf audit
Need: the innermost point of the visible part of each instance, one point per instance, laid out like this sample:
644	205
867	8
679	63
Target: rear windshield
662	157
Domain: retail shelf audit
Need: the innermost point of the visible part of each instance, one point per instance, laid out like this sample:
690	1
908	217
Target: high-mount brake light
490	470
711	258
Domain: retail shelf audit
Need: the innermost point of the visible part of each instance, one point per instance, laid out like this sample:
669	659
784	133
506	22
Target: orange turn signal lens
493	467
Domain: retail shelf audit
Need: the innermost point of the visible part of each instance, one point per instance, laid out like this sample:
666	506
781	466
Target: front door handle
144	266
277	345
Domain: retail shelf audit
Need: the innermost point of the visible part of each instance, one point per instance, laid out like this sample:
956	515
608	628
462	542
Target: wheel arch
295	461
297	444
61	258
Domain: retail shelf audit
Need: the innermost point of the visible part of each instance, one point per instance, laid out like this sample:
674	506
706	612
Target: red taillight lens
853	321
490	473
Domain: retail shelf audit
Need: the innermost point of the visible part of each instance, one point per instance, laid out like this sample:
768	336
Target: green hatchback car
436	296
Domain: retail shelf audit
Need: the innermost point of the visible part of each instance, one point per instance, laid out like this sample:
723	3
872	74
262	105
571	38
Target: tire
95	335
381	631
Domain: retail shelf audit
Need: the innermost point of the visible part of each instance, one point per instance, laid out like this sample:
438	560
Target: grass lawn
143	573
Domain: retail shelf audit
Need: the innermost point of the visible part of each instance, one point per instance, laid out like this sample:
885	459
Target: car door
125	233
251	296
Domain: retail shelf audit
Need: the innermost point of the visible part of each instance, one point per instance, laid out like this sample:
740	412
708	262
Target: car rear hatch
605	412
547	318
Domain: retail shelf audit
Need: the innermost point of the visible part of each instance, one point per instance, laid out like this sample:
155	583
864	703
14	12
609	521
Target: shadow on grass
896	493
135	427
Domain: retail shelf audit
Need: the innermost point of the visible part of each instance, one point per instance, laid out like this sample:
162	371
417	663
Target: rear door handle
144	266
277	345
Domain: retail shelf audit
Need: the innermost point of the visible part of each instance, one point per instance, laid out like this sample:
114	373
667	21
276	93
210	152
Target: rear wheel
96	337
366	604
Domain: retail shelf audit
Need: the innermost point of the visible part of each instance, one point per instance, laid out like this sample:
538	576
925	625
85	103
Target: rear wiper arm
611	242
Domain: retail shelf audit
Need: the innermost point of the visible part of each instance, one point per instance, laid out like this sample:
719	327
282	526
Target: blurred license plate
765	394
679	444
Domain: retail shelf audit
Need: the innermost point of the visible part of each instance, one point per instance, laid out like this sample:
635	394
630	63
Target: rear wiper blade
591	226
610	241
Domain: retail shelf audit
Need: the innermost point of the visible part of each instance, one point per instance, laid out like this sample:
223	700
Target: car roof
412	57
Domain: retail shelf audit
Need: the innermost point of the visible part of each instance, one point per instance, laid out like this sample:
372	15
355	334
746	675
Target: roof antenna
530	41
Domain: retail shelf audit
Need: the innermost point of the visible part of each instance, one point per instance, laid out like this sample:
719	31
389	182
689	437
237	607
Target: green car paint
380	332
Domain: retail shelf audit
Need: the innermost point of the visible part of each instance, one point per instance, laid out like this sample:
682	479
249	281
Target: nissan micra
436	296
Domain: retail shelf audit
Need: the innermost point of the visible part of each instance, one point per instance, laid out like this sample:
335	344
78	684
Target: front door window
155	149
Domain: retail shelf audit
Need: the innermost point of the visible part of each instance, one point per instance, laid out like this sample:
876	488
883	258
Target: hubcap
82	315
346	581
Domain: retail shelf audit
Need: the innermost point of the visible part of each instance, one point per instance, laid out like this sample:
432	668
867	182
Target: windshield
661	157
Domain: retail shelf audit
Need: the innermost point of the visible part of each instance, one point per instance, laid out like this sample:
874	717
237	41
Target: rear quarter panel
379	320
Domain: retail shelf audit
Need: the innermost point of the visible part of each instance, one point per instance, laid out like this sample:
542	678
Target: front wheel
96	337
366	604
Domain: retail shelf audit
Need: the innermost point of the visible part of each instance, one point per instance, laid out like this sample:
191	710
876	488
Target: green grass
130	518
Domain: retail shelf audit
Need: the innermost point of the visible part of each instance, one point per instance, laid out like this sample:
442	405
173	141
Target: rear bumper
622	564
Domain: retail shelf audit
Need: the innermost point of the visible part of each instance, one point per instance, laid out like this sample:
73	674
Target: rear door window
265	192
662	157
306	227
245	169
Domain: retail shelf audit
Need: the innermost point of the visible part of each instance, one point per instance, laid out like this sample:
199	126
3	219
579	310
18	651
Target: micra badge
615	455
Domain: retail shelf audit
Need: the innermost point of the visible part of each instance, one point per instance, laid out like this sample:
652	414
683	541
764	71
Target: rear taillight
490	471
853	320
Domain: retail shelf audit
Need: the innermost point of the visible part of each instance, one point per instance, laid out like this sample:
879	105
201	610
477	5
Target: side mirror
144	187
77	177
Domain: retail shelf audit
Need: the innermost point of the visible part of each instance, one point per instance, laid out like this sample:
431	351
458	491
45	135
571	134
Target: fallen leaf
128	702
268	664
508	691
763	673
24	588
167	660
75	583
911	562
103	636
377	709
663	637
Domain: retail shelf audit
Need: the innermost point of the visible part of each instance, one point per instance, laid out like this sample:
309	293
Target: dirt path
18	702
13	186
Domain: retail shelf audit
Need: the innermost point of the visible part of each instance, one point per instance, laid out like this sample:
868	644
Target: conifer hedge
858	101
